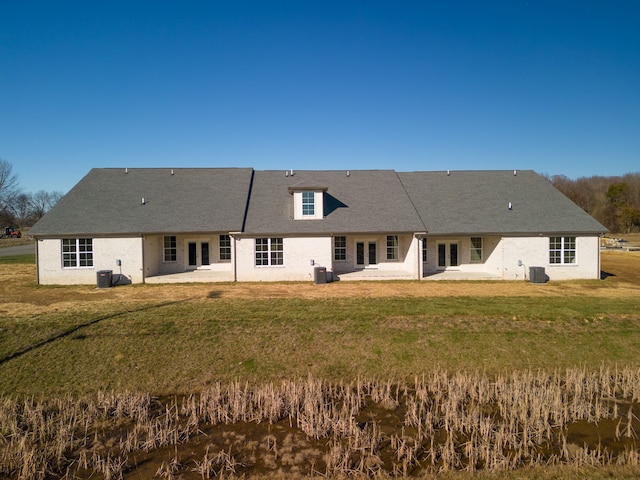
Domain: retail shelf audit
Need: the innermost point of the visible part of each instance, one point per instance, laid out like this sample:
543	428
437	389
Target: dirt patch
19	291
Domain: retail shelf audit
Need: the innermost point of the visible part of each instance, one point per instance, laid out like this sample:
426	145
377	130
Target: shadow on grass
604	275
75	329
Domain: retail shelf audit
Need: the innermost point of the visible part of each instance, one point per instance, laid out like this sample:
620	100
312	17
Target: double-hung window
170	249
269	252
308	204
392	247
77	252
476	250
225	248
425	256
562	250
340	248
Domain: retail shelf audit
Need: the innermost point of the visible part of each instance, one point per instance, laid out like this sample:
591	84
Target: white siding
105	253
318	206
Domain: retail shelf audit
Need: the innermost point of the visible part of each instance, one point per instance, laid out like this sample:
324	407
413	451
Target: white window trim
563	251
472	248
309	201
269	251
76	253
165	249
341	248
220	247
395	248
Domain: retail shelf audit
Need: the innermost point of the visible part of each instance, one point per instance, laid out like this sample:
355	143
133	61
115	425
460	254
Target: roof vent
291	172
126	170
286	173
348	173
510	206
143	201
515	172
172	171
448	172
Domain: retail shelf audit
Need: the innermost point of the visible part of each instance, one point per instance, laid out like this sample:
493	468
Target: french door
198	255
447	255
366	254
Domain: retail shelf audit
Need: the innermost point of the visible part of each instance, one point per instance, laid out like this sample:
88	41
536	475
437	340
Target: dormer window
307	202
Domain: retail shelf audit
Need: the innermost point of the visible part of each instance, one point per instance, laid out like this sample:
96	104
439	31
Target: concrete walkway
457	275
373	274
192	276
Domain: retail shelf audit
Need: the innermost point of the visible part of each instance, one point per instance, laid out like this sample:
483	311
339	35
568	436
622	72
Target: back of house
238	224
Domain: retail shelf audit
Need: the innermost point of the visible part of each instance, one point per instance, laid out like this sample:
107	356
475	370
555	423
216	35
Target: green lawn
16	259
182	346
80	340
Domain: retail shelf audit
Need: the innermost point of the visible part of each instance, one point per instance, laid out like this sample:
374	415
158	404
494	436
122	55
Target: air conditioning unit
537	275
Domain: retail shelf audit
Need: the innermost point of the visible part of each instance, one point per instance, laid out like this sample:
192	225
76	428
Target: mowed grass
18	259
182	346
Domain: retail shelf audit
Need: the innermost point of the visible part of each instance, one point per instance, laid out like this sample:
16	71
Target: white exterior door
447	255
366	254
198	255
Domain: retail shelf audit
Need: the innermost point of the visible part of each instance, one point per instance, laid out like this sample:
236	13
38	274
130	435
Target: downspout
419	257
144	277
420	236
235	261
234	256
37	263
599	259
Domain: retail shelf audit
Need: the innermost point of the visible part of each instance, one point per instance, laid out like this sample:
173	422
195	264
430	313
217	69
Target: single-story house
240	224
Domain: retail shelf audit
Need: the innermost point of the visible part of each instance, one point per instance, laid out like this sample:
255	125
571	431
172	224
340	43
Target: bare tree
21	208
613	201
42	202
8	187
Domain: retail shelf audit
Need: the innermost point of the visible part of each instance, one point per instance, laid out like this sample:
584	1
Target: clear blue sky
552	86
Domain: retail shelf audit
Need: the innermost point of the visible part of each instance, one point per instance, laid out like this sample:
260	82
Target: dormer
308	202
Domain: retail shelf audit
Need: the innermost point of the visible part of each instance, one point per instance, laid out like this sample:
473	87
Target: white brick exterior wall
298	253
534	252
407	261
105	253
154	254
508	258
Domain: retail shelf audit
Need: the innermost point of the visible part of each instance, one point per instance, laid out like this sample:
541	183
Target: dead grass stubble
446	422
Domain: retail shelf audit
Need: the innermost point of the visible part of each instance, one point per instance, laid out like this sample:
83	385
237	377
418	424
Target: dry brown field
569	424
622	271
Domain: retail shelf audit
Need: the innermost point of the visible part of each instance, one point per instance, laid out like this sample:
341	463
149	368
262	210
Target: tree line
18	208
613	201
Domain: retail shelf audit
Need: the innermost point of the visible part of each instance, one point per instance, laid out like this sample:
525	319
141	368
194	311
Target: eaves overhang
307	188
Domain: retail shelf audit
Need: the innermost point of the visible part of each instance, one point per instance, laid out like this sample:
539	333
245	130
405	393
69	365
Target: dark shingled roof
109	201
191	200
363	201
477	202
